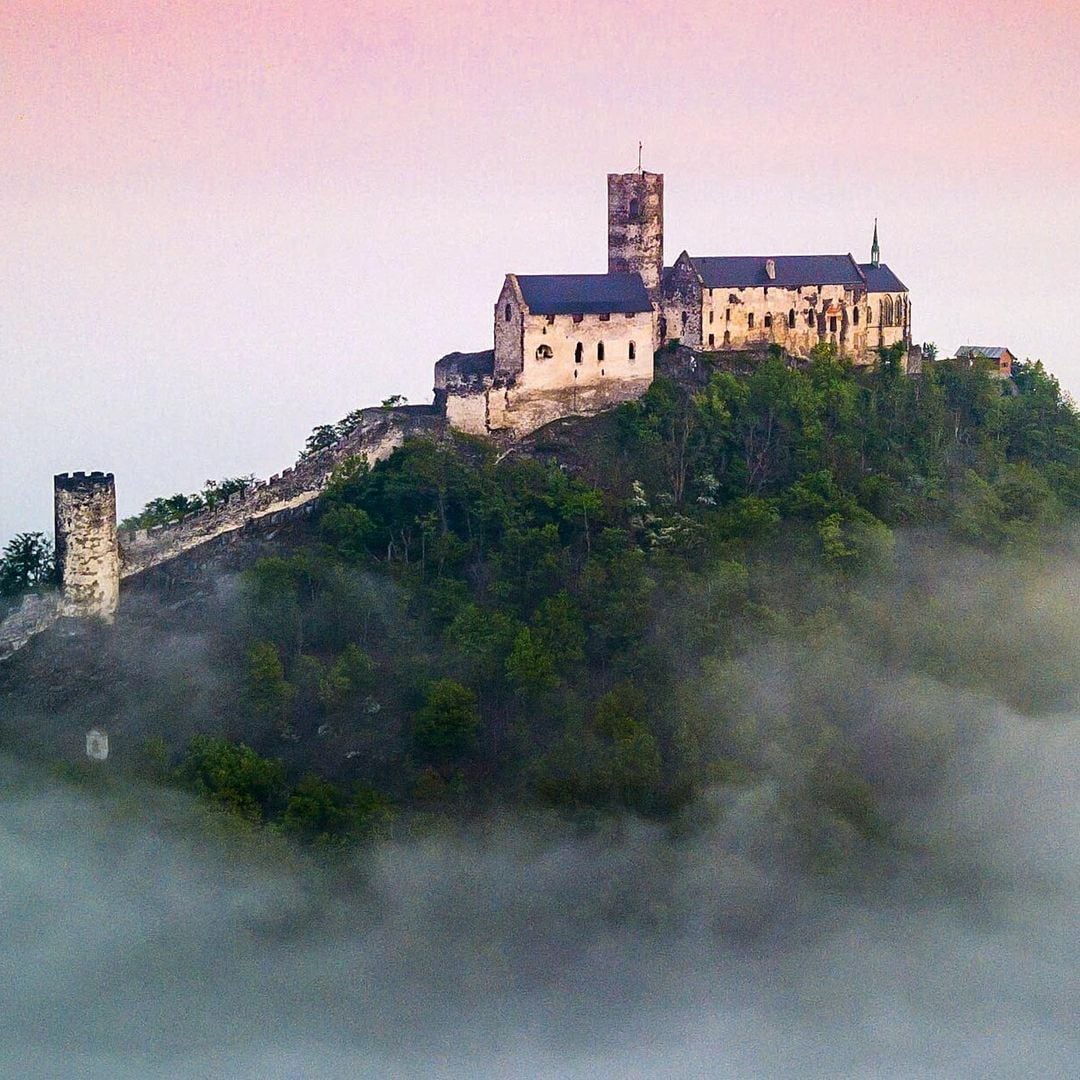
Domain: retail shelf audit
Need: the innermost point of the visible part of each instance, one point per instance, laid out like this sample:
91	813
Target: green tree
530	667
317	810
447	724
268	690
233	776
27	562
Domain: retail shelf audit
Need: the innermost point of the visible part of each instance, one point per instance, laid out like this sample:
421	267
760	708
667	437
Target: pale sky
224	223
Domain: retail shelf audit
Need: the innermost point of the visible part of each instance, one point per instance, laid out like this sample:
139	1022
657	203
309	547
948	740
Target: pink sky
225	223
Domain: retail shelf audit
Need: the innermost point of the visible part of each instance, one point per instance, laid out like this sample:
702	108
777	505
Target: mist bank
137	945
768	929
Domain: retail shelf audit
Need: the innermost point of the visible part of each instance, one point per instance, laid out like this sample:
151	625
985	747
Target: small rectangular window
711	313
768	321
832	323
750	320
727	315
712	339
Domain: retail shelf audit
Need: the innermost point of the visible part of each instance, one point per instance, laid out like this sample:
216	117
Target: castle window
506	312
599	352
635	210
711	313
832	324
768	321
810	320
855	316
605	317
791	319
579	355
750	321
712	340
869	315
727	337
727	315
633	351
543	352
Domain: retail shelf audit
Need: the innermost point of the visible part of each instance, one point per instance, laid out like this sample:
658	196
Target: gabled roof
991	352
792	271
881	279
583	294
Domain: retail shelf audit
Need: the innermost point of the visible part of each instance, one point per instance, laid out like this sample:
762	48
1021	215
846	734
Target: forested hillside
607	617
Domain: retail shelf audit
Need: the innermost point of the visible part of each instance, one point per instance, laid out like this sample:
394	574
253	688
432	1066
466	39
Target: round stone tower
636	226
87	554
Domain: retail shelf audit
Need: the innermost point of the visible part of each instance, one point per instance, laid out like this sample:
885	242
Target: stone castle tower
87	553
636	226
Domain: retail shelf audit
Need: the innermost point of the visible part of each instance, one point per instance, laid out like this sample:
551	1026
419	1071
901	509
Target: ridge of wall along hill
379	432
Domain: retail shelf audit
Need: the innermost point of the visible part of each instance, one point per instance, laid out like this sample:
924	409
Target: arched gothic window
855	314
791	319
579	353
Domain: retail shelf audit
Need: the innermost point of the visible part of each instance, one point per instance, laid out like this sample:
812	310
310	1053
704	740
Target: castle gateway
567	344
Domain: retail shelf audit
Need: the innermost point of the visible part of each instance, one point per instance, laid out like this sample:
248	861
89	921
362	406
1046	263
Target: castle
580	343
564	344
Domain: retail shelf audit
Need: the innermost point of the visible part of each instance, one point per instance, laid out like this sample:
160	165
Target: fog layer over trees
145	935
730	734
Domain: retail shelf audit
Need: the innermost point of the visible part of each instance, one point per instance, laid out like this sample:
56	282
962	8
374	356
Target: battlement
379	432
81	481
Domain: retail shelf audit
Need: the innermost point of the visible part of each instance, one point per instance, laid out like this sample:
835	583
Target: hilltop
579	619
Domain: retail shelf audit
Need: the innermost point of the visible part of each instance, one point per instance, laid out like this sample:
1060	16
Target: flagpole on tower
639	169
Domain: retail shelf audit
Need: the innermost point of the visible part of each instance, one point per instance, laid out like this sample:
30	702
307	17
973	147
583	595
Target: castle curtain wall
554	386
821	313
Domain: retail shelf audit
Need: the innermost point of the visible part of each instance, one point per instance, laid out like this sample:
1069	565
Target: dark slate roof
881	279
792	271
991	352
583	294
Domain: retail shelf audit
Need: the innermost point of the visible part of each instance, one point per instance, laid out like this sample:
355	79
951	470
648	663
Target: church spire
875	251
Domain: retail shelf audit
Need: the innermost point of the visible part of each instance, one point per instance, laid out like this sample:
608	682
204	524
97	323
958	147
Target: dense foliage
480	626
165	510
26	562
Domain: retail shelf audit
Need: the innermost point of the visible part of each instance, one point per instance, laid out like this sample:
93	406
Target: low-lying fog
139	940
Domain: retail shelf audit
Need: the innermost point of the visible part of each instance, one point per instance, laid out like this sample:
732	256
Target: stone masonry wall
37	613
86	552
379	433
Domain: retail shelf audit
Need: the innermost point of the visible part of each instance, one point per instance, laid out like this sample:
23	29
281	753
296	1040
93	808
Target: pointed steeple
875	251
